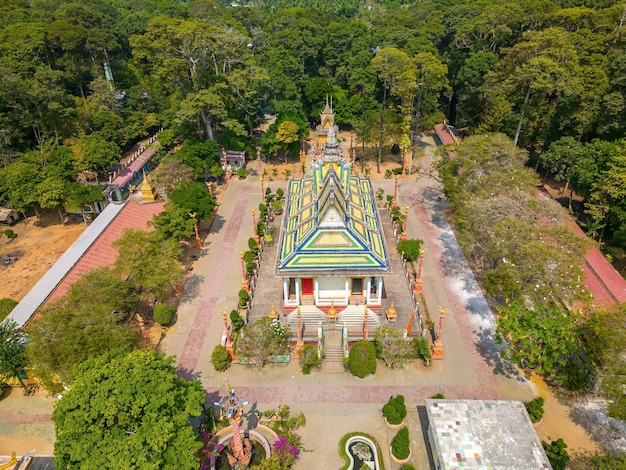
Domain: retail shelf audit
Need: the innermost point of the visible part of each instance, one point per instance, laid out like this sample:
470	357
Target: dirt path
557	422
38	245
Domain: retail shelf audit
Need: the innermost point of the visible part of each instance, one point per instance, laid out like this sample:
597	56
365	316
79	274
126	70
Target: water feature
362	453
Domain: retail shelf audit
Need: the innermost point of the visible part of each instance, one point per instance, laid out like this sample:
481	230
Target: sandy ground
37	247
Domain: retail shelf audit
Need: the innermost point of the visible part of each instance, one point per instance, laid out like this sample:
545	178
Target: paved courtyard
339	403
336	403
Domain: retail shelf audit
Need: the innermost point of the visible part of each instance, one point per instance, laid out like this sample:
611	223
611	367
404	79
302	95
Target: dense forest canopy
82	81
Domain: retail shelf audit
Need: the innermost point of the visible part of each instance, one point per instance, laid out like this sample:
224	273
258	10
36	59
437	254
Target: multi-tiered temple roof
331	224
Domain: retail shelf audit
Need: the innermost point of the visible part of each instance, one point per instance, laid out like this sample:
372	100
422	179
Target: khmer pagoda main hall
332	250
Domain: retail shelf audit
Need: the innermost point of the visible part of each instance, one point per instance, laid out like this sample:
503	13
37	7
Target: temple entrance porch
322	291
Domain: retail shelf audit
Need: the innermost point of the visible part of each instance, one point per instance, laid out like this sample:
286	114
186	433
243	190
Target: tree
174	222
170	174
390	64
128	410
150	262
18	183
12	356
6	306
51	194
392	348
410	249
261	340
287	134
86	322
92	153
546	339
362	358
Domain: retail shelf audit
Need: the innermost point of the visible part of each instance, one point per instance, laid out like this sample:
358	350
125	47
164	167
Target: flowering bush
286	449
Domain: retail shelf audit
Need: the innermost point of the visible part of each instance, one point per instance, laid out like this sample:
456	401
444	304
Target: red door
307	286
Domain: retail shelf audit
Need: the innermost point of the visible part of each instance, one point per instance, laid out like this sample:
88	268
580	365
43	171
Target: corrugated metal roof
40	291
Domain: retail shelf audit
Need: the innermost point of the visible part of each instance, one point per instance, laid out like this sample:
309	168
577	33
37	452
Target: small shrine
148	192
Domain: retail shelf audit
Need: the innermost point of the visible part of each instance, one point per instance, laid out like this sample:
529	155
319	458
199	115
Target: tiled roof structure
91	250
102	253
331	224
601	278
484	434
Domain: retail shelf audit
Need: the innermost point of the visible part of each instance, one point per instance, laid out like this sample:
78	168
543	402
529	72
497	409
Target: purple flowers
286	449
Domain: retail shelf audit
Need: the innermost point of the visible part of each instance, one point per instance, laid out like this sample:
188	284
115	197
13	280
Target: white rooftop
483	434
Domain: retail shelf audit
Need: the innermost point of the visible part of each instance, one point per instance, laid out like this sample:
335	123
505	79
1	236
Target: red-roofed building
101	252
602	279
446	136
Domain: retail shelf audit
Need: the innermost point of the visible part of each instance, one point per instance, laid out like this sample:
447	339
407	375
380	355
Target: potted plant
394	412
243	298
535	410
400	450
277	207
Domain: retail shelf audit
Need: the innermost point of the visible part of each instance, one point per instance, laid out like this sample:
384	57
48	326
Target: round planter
398	461
426	363
394	426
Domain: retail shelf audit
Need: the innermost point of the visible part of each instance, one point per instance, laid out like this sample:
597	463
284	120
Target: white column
316	290
347	290
298	291
368	287
286	289
379	291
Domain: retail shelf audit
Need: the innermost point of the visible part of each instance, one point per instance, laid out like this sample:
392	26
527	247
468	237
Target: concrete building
483	434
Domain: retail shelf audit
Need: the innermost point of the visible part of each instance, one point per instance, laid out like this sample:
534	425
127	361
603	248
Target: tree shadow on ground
591	415
491	353
192	286
423	419
188	374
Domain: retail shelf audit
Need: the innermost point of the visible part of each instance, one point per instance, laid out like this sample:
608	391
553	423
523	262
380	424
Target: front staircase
352	315
333	351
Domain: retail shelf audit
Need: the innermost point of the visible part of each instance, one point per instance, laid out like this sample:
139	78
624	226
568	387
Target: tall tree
150	262
12	356
390	64
128	410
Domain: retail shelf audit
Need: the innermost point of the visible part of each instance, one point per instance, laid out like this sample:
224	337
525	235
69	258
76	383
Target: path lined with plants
188	360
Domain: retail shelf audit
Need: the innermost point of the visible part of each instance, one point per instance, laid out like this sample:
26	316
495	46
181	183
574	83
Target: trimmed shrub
220	358
248	257
308	359
10	234
260	229
163	314
236	321
400	444
280	193
253	246
410	249
394	410
362	359
557	455
243	298
438	396
535	409
241	172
